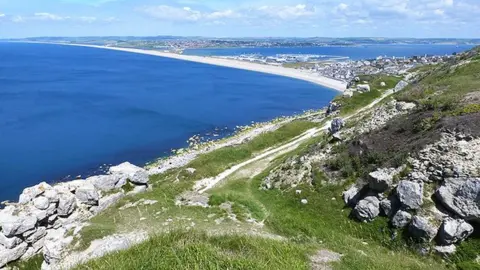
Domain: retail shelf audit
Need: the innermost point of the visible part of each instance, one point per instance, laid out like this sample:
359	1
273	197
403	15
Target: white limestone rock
42	203
9	242
87	194
11	255
66	204
17	225
134	173
31	193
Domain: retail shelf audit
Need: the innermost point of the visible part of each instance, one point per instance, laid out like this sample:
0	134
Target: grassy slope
322	223
166	188
360	100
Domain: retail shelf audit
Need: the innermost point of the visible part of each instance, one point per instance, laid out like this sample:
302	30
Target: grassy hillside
247	227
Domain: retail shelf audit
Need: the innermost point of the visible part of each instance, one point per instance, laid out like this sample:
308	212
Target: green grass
196	250
33	263
167	186
360	100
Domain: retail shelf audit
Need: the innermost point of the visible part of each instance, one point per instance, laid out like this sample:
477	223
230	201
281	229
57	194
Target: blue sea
67	111
353	53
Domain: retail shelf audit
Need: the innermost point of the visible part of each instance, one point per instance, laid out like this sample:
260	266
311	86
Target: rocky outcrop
367	209
383	114
295	171
39	222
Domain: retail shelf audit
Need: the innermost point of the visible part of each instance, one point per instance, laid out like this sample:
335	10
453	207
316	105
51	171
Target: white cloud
18	19
49	16
342	6
440	12
2	15
87	19
287	12
186	14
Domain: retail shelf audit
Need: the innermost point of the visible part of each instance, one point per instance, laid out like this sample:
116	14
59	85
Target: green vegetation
195	250
33	263
167	186
360	100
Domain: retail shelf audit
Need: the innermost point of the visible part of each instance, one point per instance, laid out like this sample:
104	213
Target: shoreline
333	84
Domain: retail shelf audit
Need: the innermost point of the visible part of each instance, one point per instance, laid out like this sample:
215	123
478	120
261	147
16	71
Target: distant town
175	43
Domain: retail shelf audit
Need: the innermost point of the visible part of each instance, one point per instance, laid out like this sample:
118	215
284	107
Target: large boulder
461	196
39	233
9	242
11	255
352	195
390	205
400	86
107	201
31	193
87	194
107	182
410	194
401	219
367	209
17	225
336	125
422	229
454	230
381	179
41	203
66	204
363	87
131	172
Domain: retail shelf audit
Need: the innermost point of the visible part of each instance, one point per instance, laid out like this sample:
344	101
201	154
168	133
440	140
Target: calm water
355	53
68	110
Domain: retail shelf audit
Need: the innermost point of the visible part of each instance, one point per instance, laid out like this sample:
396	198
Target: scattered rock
454	230
9	242
107	182
461	196
108	201
322	259
383	84
390	205
445	251
422	230
66	204
134	173
31	193
367	209
381	179
405	106
87	194
336	125
11	255
352	195
410	194
304	201
363	87
401	219
17	225
400	86
41	203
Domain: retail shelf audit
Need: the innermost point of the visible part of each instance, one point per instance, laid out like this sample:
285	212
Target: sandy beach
274	70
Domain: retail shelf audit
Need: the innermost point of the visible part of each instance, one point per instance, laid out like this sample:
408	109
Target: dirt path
206	184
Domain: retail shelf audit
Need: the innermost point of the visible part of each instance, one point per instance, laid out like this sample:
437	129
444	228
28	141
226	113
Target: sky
238	18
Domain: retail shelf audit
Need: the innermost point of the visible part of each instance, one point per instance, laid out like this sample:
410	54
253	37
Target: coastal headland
230	63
